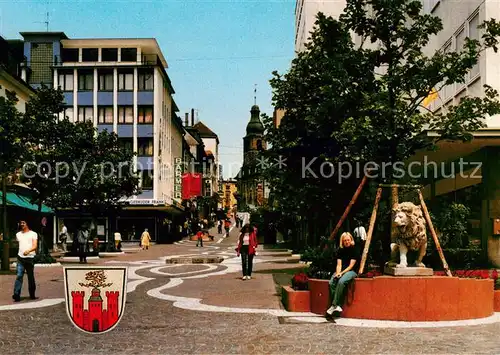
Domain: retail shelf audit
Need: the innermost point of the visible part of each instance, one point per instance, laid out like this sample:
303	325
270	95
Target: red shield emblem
95	297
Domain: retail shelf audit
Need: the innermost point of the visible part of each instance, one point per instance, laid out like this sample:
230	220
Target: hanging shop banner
178	170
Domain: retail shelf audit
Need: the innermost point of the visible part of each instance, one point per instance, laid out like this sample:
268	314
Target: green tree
107	177
71	164
360	101
13	150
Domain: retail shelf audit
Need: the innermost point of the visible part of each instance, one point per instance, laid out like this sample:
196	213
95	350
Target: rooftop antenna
47	22
255	94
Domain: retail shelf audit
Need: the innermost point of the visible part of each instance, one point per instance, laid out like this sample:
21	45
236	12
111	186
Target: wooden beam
433	233
398	185
349	206
370	231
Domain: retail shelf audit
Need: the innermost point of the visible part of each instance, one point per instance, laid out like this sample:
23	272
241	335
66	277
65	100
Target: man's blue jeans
338	287
25	264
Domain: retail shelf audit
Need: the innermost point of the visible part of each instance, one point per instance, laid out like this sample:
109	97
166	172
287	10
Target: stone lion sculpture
410	234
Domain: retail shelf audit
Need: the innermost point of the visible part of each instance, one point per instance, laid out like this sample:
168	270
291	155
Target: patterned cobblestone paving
154	326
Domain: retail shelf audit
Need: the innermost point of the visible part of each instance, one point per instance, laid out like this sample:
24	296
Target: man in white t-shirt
28	244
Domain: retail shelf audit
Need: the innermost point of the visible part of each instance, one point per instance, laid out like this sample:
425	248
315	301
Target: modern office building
305	17
121	85
478	190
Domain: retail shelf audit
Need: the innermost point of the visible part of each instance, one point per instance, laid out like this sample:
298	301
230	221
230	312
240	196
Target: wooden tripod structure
373	218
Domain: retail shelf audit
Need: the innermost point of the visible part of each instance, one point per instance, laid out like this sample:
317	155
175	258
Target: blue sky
216	50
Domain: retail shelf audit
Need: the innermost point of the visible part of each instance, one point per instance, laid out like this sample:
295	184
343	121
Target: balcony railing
146	60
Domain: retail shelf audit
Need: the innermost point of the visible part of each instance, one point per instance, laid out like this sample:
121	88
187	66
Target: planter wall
296	301
496	301
320	295
433	298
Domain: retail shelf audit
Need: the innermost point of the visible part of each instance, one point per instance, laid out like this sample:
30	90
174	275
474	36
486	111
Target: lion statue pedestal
410	237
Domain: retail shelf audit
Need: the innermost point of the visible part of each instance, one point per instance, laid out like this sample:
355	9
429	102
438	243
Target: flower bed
297	297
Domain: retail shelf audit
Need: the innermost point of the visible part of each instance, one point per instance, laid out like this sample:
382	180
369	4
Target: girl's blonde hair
344	235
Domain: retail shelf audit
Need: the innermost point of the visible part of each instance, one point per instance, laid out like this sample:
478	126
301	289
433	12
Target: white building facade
121	85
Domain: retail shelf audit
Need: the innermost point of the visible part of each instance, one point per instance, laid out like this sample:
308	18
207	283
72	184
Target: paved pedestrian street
208	309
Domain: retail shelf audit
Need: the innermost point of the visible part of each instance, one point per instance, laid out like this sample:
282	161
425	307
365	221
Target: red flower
494	275
300	281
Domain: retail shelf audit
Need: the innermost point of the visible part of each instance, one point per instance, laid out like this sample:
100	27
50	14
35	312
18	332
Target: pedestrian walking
63	237
118	240
227	226
359	234
82	238
247	246
347	257
219	227
199	238
145	239
28	244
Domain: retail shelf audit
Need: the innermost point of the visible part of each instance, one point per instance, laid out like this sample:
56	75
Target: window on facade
129	55
459	45
109	54
145	147
125	114
67	112
105	115
448	89
106	81
145	114
474	34
85	113
69	55
146	80
147	179
126	144
125	81
65	81
85	80
90	55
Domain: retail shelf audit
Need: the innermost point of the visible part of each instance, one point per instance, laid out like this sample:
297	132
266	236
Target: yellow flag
433	95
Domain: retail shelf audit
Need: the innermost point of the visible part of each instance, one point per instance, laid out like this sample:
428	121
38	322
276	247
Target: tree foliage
355	96
71	164
13	143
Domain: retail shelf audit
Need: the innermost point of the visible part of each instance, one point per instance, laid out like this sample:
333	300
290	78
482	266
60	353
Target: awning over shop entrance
14	199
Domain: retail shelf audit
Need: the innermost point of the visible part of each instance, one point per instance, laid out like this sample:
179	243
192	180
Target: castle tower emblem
95	297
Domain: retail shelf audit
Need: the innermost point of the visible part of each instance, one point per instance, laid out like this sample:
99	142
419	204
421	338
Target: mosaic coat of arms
95	297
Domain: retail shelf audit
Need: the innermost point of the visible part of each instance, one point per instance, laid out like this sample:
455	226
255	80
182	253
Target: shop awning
14	199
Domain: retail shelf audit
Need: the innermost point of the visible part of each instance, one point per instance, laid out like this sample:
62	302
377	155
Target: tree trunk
6	246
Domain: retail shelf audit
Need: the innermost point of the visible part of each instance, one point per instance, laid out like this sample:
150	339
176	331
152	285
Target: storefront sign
147	202
178	178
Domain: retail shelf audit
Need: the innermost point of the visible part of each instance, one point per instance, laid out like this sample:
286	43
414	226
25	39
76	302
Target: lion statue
410	234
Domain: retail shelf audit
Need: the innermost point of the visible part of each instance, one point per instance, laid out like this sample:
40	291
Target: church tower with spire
253	142
251	182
